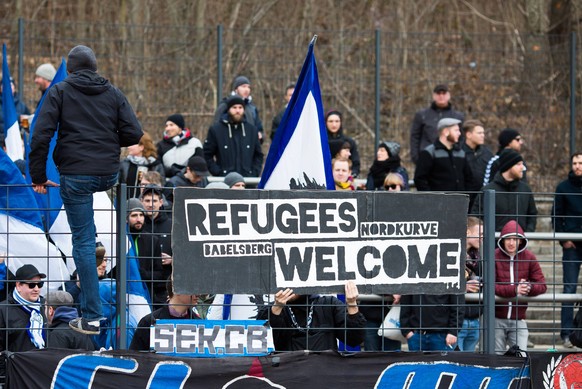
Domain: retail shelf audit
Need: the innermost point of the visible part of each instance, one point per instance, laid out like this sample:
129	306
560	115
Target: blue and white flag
299	156
12	138
52	204
22	237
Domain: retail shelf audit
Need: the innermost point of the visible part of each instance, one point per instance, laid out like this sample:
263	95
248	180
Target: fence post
21	59
377	90
489	271
572	92
219	76
121	267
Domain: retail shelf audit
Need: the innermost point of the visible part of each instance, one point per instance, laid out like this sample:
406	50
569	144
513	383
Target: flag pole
313	40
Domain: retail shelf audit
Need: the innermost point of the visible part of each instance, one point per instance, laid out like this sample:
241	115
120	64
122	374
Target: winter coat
424	127
233	147
513	201
180	180
477	159
94	119
380	169
568	205
441	169
14	321
329	320
175	152
149	256
60	335
432	313
510	270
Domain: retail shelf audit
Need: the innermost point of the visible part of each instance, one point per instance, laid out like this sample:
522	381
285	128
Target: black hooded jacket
94	120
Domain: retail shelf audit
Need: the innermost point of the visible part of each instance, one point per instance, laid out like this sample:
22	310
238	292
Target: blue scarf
36	324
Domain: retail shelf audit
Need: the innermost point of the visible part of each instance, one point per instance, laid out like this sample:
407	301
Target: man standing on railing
568	218
94	120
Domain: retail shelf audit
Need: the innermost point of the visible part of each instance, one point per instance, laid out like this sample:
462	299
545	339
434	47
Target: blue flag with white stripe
22	237
12	138
299	156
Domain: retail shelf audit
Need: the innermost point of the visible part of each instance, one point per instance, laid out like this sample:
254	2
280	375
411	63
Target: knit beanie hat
177	119
217	185
46	71
393	148
508	158
81	57
506	136
240	80
234	100
233	178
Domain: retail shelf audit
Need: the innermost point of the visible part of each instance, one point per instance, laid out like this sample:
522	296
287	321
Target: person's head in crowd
333	122
235	106
136	213
217	185
514	240
241	86
196	169
474	232
340	149
388	150
441	95
151	178
56	299
174	126
510	138
29	282
100	260
342	170
576	163
181	301
44	76
12	86
145	148
235	181
511	165
151	199
449	131
474	133
81	58
394	182
289	92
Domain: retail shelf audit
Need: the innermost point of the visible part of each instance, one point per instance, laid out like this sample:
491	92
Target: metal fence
543	311
377	78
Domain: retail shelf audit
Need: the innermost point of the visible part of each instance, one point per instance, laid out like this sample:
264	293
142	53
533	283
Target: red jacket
509	270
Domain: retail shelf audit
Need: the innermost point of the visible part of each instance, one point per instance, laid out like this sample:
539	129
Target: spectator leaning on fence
568	218
517	273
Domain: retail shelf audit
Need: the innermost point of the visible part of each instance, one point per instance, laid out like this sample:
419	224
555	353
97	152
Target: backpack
576	335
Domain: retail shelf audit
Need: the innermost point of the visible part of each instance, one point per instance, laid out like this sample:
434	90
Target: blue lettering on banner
168	375
447	375
77	371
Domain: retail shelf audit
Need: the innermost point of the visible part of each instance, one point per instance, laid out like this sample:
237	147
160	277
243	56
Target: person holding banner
316	323
180	306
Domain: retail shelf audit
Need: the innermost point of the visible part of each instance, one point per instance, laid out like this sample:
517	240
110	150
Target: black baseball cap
28	272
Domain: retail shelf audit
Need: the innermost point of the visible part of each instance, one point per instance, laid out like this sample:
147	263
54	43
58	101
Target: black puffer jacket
95	120
440	169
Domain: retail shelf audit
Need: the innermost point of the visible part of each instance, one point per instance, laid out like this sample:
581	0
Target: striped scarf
36	324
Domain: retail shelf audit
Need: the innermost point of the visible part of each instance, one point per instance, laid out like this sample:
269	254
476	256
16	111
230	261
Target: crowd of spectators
449	154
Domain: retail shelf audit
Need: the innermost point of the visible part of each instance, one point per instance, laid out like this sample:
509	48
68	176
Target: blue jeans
571	261
433	341
469	335
373	342
77	194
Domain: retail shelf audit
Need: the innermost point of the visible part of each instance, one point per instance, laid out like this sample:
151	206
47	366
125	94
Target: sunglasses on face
393	186
32	285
